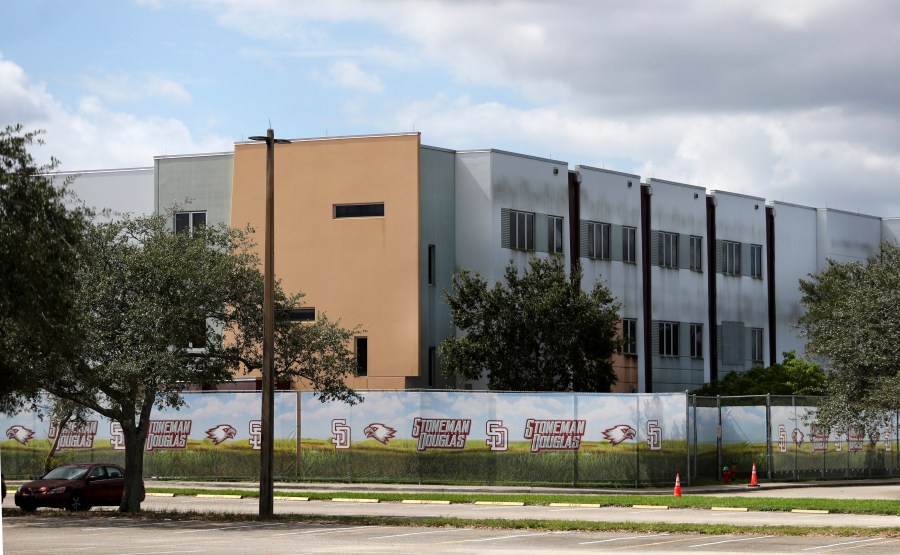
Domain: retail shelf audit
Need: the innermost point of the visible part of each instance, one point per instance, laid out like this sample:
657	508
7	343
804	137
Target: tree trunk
61	425
135	439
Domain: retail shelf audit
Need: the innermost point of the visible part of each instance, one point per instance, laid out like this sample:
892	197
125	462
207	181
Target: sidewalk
819	489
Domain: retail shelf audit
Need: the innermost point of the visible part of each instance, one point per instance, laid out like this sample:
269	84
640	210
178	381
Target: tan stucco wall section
363	271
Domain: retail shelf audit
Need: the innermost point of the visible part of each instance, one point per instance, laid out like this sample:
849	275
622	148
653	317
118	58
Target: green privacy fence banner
474	437
487	437
779	434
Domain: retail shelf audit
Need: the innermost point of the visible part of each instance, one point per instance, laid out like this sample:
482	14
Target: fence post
719	438
696	472
575	458
687	438
637	445
769	436
796	448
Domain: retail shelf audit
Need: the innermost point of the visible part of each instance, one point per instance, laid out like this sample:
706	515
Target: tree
156	310
852	322
62	413
535	332
792	376
40	236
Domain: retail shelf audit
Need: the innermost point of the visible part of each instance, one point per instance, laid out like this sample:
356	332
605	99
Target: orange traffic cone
677	492
753	482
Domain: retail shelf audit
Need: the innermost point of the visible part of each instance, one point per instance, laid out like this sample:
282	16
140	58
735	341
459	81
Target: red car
75	487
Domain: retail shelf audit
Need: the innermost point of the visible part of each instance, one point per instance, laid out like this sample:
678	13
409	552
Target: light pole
267	439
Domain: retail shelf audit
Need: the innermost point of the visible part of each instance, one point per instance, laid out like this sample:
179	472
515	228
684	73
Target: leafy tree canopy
538	331
156	310
792	377
40	236
853	323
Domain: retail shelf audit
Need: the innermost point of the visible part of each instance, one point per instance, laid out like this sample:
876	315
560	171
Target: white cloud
92	136
135	88
806	157
348	74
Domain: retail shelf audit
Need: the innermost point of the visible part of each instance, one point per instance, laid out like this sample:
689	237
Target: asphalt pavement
888	489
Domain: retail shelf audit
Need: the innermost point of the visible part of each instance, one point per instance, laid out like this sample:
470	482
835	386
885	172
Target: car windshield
67	473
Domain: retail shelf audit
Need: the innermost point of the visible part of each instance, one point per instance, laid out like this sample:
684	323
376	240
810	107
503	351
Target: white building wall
120	191
489	181
473	221
678	294
846	236
890	230
795	258
741	299
614	198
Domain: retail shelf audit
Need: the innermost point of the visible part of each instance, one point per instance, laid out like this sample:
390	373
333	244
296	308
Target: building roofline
791	204
195	155
580	167
338	137
105	170
510	153
653	180
438	148
715	192
848	213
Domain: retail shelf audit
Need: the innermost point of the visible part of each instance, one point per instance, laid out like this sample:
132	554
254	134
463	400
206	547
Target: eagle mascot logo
797	436
220	433
20	434
619	433
380	432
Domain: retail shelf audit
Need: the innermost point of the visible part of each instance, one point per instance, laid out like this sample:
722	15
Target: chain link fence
477	437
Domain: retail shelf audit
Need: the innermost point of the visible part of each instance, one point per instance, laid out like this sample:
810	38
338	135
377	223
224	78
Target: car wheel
28	507
76	503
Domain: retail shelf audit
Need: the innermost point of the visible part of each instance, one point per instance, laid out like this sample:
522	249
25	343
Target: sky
791	101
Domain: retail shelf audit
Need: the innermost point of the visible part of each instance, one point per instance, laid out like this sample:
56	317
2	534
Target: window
668	249
598	241
756	344
629	336
432	366
696	340
114	472
521	230
732	262
629	244
668	339
305	314
362	356
186	222
369	210
431	276
198	340
554	234
756	261
696	247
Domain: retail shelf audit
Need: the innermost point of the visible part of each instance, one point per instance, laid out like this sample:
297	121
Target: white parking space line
161	552
219	529
840	544
498	538
648	511
419	533
566	510
323	530
731	541
623	538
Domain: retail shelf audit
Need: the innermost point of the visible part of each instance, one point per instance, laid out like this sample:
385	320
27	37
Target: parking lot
121	536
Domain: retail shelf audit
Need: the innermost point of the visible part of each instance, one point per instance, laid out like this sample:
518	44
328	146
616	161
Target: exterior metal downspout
770	281
574	222
711	288
646	194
